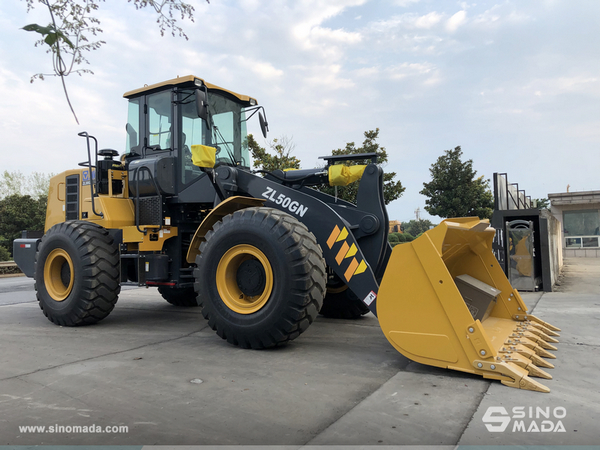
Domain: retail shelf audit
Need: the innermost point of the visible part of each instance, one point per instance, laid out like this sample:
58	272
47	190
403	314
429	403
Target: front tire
260	278
77	275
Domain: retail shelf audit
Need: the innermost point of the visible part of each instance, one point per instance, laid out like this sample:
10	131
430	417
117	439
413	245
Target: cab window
132	144
159	121
193	132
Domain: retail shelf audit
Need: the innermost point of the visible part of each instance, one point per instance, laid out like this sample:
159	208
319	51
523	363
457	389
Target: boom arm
339	229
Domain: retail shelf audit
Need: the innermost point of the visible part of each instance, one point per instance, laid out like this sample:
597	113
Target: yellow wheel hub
244	279
58	274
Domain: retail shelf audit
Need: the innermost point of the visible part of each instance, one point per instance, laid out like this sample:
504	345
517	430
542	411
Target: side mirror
201	106
264	126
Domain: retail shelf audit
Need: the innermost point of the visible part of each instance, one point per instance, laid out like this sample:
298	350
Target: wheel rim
58	274
335	285
244	279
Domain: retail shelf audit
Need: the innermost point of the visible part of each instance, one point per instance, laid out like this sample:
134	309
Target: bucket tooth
527	384
544	336
538	340
531	345
546	330
549	339
542	343
517	377
528	353
541	352
541	334
535	371
514	340
535	319
534	343
541	362
526	363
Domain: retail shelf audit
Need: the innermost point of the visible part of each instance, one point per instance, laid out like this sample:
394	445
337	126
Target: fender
226	207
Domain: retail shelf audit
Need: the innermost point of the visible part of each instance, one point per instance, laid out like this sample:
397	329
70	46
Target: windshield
227	133
228	130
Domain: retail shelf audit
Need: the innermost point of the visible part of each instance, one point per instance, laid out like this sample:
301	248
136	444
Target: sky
515	83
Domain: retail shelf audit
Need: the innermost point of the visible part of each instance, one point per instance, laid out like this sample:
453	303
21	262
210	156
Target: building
579	217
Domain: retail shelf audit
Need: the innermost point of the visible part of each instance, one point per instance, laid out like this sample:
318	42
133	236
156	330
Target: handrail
89	164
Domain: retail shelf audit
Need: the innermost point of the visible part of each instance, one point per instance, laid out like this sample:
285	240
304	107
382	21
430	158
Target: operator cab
166	119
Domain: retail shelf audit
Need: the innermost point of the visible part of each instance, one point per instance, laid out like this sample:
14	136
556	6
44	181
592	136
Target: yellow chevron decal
343	235
333	236
342	253
346	251
351	252
351	269
361	267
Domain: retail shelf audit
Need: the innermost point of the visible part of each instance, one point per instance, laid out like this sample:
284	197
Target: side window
132	144
159	121
193	132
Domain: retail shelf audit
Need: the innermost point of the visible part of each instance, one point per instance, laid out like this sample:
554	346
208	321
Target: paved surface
160	371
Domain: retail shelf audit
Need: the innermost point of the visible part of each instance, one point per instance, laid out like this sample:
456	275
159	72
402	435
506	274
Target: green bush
4	254
20	212
393	238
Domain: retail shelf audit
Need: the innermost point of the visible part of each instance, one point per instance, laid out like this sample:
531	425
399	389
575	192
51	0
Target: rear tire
340	302
77	273
185	297
260	278
343	305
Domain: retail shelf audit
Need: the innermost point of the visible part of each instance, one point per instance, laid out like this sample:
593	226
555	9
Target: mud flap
424	316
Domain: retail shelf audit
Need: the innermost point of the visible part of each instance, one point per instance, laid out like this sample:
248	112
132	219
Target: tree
416	227
282	159
454	191
72	23
542	203
391	189
21	212
36	184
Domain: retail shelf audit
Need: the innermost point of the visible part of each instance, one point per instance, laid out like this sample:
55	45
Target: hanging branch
71	22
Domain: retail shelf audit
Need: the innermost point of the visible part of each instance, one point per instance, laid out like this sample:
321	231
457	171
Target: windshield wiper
229	152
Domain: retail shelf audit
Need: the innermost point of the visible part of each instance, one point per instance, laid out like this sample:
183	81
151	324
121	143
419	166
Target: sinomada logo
525	419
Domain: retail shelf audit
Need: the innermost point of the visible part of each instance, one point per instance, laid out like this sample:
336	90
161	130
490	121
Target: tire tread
308	269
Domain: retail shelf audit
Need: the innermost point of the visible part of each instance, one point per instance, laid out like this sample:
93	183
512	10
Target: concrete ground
163	373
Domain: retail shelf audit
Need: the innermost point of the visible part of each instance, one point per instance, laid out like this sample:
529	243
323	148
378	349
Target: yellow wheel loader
263	254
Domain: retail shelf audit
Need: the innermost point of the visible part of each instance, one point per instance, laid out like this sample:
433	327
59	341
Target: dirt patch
580	275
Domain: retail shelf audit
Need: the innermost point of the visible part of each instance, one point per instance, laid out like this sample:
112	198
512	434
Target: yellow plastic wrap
341	175
203	155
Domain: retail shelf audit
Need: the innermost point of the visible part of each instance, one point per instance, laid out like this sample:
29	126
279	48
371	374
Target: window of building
582	228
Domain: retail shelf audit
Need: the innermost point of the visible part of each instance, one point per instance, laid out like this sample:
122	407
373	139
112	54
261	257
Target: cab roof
190	81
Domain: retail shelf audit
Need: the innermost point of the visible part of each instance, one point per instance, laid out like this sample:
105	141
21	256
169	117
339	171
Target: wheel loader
263	253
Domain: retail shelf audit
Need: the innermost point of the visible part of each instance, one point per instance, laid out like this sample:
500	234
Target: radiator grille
72	197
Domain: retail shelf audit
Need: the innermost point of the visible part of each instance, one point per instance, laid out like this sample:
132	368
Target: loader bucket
445	301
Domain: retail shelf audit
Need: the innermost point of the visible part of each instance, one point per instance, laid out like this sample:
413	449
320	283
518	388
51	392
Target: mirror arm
254	110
